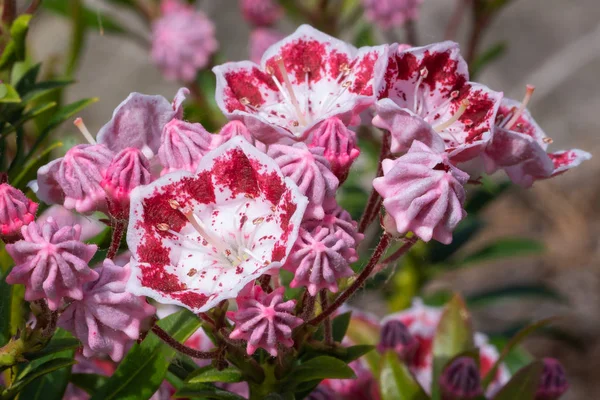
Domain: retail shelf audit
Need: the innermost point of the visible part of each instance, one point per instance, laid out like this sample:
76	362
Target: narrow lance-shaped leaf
523	384
396	381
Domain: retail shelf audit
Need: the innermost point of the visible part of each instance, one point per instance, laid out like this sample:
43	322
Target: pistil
84	130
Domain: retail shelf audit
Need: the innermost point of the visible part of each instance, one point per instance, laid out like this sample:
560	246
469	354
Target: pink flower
302	80
16	210
425	95
340	222
107	318
260	40
422	322
264	320
51	262
128	170
519	146
261	12
233	129
340	146
389	14
74	180
198	239
319	258
182	145
139	121
422	192
183	41
310	170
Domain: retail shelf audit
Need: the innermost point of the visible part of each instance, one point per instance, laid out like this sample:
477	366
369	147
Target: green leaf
518	338
5	308
61	115
29	171
453	336
42	88
30	374
490	55
15	49
365	36
322	367
396	381
355	352
142	371
523	384
51	386
339	326
91	383
206	392
211	374
8	94
503	248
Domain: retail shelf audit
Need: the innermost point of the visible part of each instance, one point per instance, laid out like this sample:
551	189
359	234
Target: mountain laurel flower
340	146
423	193
107	317
389	14
461	380
319	258
261	12
260	40
310	170
553	382
426	95
301	81
183	42
129	169
182	145
51	262
16	210
519	146
198	238
264	320
74	180
421	322
339	221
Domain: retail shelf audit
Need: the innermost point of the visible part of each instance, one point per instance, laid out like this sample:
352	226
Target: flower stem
324	305
357	284
165	337
397	254
374	202
118	229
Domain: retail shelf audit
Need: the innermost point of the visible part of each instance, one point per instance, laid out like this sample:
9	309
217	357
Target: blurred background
552	44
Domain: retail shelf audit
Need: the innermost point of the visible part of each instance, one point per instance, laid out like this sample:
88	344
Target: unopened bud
553	382
395	336
461	380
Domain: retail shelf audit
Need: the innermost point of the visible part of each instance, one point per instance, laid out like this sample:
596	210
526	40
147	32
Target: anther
84	130
547	140
174	204
258	220
163	227
424	72
459	113
454	94
244	101
346	84
517	115
192	272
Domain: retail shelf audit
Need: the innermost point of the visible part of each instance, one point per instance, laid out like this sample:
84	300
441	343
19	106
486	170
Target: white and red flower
426	95
519	146
197	239
301	81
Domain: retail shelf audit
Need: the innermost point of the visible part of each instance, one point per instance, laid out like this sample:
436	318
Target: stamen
174	204
547	140
461	110
422	75
163	227
290	89
517	115
84	131
201	229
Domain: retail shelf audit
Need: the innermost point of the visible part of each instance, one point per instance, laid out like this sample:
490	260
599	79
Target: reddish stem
328	332
357	284
118	229
397	254
165	337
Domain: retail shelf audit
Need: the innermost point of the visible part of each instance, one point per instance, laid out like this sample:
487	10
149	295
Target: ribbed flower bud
396	336
461	380
182	145
553	382
261	12
16	210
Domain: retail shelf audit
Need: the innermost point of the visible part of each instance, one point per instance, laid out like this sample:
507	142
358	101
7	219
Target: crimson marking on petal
244	84
235	171
155	277
441	68
191	299
423	351
363	74
157	210
301	57
480	108
523	125
278	252
288	208
562	159
271	185
152	251
337	61
406	66
200	187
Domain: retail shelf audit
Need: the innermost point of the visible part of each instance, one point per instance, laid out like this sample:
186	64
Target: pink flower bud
232	129
423	193
183	41
107	317
260	40
128	170
339	143
182	146
553	382
340	222
318	259
261	12
264	320
309	169
396	336
461	381
391	13
16	210
51	262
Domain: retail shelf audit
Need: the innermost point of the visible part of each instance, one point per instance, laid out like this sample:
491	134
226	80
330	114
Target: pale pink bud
391	13
339	143
264	320
107	317
261	12
51	262
182	146
16	210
